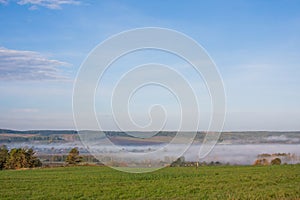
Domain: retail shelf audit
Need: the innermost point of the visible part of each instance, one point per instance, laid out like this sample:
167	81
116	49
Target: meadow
207	182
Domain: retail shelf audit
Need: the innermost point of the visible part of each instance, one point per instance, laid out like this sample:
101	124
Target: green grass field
212	182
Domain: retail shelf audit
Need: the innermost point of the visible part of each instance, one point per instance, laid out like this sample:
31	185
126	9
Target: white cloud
29	65
4	1
51	4
25	110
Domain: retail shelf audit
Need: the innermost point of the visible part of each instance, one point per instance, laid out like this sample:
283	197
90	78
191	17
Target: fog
241	154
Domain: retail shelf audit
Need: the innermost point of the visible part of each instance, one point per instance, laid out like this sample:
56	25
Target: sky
254	44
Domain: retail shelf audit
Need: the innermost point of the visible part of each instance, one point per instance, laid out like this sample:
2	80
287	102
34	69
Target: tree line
18	158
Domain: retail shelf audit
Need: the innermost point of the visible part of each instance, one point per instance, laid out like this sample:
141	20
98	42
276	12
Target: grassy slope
222	182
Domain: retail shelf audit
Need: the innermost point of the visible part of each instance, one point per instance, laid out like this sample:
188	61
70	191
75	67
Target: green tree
73	157
3	156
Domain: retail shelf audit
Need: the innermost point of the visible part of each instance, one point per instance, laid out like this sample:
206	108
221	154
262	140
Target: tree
32	160
3	156
276	161
73	157
261	162
22	158
16	159
179	162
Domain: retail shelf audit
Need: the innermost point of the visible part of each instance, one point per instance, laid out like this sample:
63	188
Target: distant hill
239	137
39	132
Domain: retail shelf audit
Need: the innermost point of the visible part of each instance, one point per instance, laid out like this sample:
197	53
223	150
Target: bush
179	162
261	162
276	161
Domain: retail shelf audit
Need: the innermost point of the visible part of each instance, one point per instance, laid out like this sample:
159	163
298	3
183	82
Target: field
209	182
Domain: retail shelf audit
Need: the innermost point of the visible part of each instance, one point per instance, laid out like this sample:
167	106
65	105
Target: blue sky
255	44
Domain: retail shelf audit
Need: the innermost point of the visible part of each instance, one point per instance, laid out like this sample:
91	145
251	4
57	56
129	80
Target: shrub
261	162
276	161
